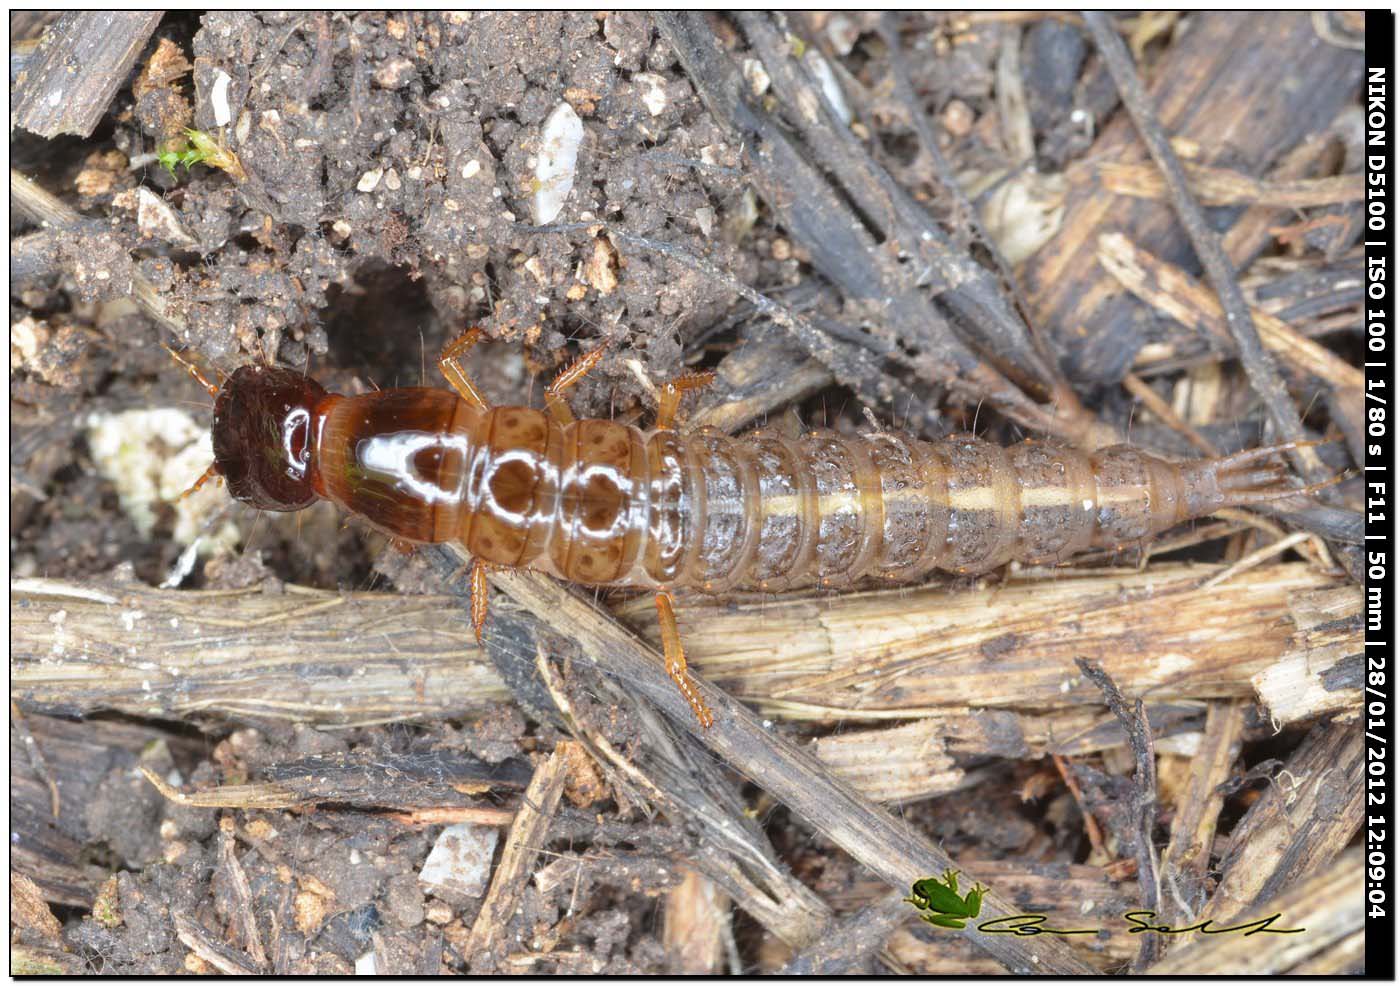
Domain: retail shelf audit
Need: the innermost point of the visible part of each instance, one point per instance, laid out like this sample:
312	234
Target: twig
1091	824
523	842
1221	186
1143	810
846	943
35	754
242	904
893	849
1256	558
1263	376
199	941
1134	385
32	201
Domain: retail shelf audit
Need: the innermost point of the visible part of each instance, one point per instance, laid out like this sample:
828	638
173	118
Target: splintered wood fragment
1221	186
523	843
769	371
1321	672
1177	295
1330	906
914	653
1187	856
300	656
28	909
236	884
203	944
1307	815
892	848
695	926
1244	87
404	782
893	765
82	59
850	941
452	816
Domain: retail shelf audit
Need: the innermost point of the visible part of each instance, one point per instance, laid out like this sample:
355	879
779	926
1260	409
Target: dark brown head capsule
264	433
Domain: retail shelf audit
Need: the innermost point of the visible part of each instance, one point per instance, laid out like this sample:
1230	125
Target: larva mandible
602	503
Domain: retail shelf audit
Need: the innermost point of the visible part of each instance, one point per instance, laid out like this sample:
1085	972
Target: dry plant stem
301	656
962	285
850	941
525	838
818	216
1221	186
892	849
1263	376
1310	811
1150	400
1100	855
1320	674
941	650
35	754
80	63
236	880
1143	811
223	957
1176	294
1330	905
853	366
30	200
1187	857
967	212
674	775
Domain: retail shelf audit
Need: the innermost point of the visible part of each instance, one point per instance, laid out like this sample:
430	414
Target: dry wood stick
241	906
850	941
302	655
893	849
1187	856
1329	906
1143	809
81	61
1258	367
1176	294
203	944
523	842
1322	671
1309	813
37	204
1221	186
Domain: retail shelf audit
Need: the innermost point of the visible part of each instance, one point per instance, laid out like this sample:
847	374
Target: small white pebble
369	181
471	168
218	99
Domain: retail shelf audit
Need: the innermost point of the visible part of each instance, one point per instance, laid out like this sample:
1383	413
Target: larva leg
450	365
675	658
570	375
211	473
672	393
479	597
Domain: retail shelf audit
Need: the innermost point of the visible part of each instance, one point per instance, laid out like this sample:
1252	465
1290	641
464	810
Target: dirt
390	178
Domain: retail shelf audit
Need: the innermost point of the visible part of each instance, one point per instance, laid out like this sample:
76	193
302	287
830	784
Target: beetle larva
602	503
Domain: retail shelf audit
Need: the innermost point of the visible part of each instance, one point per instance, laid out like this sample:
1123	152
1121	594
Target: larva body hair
602	503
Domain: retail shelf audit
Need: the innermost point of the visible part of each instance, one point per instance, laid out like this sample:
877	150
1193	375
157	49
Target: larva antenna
193	371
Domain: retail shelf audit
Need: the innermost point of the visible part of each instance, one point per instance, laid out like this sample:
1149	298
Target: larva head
263	418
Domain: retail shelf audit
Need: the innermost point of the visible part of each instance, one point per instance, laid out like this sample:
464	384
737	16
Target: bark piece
80	63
